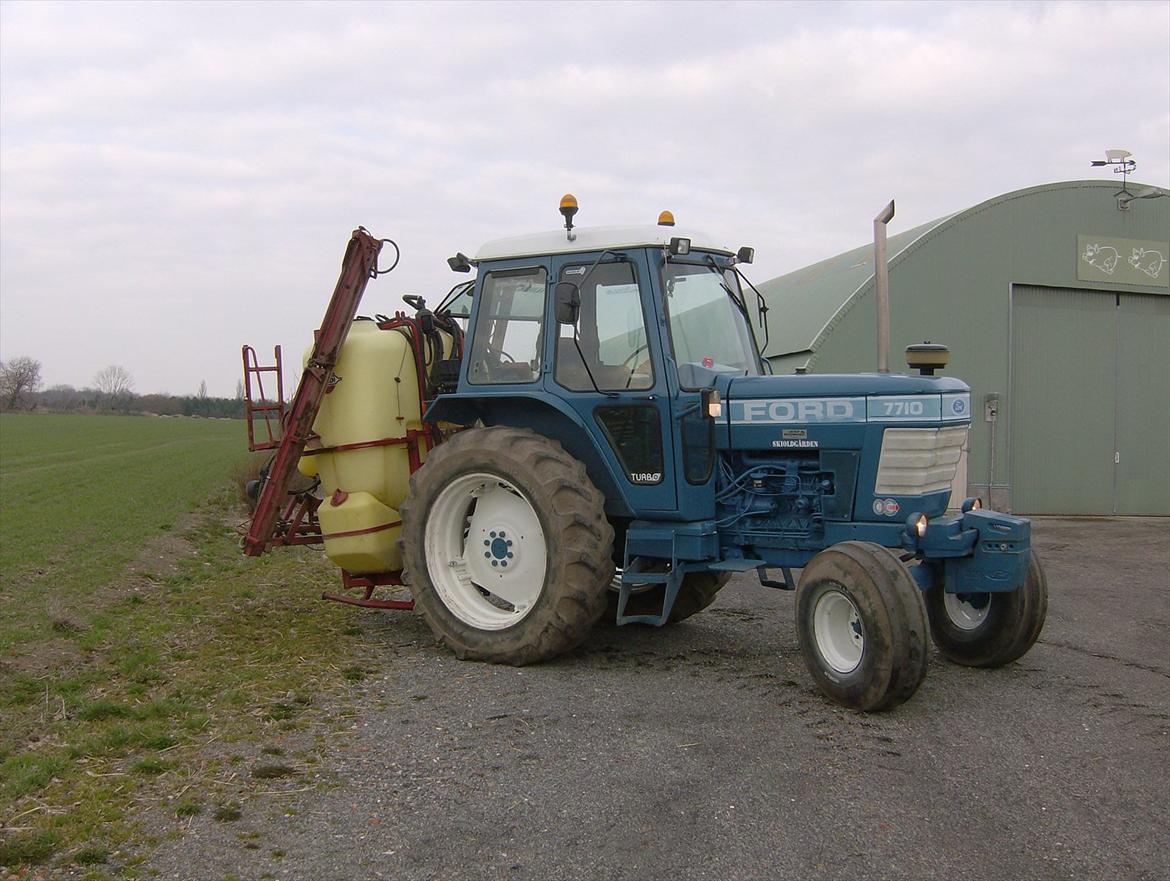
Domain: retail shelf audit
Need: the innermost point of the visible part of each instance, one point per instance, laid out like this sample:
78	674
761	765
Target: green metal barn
1055	304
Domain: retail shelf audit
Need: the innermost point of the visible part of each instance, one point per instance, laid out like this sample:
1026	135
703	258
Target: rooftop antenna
1122	164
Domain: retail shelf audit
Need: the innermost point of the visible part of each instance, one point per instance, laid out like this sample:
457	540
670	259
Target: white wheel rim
485	551
838	630
963	613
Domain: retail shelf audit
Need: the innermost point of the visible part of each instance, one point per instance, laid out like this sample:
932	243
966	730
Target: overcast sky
176	180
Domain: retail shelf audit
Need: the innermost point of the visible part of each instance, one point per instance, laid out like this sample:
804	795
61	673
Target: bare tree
19	379
203	390
62	397
239	390
114	381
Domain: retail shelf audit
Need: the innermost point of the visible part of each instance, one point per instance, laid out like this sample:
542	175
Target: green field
80	496
133	632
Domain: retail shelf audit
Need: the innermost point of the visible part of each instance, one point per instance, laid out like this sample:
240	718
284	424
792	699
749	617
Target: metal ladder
258	402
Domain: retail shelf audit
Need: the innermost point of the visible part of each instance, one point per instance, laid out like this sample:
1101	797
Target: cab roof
595	238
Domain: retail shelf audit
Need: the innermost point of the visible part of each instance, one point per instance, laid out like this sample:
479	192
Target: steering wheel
634	354
503	356
491	361
631	360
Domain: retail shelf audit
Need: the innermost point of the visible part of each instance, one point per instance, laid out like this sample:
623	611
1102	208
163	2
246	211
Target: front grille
916	461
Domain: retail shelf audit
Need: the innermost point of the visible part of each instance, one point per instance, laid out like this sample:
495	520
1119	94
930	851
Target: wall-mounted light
1147	193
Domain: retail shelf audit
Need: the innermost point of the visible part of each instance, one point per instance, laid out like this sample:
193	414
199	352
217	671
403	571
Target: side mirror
459	263
745	255
680	246
567	299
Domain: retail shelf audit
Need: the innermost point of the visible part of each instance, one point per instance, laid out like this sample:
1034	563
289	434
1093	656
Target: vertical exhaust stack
881	280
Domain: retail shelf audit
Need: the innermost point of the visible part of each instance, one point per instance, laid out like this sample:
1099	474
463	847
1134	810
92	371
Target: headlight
916	525
971	504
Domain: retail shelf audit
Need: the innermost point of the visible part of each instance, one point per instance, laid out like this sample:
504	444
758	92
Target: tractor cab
614	341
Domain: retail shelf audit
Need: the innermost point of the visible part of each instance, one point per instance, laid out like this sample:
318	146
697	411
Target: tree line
112	392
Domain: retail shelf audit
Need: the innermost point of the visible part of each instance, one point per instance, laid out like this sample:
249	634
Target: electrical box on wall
991	407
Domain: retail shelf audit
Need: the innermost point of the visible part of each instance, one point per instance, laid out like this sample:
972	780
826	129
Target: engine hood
839	385
834	410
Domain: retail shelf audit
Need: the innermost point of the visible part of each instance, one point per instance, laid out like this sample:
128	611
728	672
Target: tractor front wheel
861	626
507	546
989	629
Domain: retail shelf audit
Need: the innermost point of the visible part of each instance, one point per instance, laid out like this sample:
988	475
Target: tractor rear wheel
698	591
989	629
507	546
861	626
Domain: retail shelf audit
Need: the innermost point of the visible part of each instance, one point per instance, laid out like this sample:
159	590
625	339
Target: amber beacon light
568	209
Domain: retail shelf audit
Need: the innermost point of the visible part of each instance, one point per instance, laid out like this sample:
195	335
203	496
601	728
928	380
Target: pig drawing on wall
1148	261
1103	257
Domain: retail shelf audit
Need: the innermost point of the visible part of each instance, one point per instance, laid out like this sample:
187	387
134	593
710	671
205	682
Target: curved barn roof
808	298
812	300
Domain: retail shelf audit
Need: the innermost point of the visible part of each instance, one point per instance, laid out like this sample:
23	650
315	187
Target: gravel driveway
703	751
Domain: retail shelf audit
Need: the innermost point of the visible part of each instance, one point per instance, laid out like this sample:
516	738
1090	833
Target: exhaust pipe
881	280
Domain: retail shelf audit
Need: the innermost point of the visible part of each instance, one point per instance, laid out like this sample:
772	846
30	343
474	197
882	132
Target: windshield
707	327
457	303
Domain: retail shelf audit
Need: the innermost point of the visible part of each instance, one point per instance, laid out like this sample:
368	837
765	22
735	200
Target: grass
81	494
135	634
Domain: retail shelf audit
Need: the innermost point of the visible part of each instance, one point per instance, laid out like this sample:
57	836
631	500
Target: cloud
178	179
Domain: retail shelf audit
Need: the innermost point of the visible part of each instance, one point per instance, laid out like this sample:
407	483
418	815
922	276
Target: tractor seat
572	374
507	371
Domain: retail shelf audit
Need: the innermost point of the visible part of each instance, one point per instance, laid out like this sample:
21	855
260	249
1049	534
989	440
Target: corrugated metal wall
1090	414
1143	405
1061	414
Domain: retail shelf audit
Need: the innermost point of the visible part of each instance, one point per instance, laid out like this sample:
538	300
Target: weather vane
1123	165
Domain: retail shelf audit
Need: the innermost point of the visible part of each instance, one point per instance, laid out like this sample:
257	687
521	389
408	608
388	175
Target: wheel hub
839	633
967	611
499	548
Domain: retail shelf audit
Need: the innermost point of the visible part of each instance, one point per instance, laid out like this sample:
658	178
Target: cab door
609	368
709	342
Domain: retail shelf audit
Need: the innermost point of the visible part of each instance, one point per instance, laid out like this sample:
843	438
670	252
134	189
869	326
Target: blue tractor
614	444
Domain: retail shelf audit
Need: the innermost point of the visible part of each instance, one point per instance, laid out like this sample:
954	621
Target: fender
545	415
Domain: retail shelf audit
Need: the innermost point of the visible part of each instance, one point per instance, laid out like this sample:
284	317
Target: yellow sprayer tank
375	396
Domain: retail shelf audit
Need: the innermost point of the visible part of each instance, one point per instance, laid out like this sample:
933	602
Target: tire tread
571	510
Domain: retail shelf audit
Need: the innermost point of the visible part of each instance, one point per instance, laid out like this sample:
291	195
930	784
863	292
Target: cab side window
508	329
611	332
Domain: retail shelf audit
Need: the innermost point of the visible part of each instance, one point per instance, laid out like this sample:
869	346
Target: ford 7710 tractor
587	428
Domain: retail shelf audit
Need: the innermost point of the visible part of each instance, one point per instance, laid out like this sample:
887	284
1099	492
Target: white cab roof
595	238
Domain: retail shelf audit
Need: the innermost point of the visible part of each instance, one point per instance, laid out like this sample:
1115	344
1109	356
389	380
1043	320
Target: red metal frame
368	583
297	523
261	403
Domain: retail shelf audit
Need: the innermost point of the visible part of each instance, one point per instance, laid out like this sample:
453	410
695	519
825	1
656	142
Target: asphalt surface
704	752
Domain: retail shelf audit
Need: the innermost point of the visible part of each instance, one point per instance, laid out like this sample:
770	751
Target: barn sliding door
1143	405
1090	408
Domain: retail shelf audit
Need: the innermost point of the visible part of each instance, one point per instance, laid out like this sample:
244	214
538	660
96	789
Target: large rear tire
507	546
861	626
698	591
989	629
